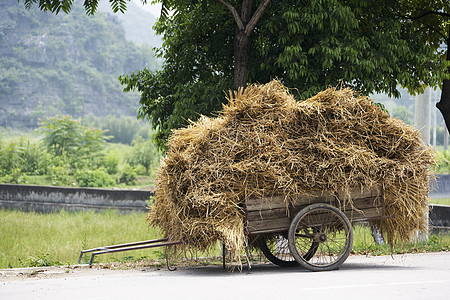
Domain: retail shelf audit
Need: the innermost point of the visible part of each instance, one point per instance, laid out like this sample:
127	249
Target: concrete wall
439	218
441	188
49	199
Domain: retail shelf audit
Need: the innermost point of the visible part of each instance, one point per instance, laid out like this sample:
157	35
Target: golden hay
265	143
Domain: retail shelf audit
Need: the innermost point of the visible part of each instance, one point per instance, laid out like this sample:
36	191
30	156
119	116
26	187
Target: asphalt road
411	276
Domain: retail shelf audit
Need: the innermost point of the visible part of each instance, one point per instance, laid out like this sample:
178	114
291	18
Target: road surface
410	276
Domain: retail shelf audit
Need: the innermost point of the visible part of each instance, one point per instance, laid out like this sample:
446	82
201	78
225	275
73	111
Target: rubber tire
272	258
305	262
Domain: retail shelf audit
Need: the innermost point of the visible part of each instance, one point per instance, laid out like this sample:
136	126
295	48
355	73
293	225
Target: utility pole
445	138
422	115
434	109
422	120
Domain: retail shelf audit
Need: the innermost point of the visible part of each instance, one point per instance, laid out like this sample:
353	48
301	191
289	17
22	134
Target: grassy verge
364	244
441	201
32	239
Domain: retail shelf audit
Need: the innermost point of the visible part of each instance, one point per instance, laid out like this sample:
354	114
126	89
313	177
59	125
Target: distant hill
64	64
137	23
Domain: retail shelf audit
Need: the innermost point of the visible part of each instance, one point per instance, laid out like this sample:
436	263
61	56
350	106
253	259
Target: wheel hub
320	237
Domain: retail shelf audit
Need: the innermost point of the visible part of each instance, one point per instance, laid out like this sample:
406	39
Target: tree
309	45
66	137
209	46
432	20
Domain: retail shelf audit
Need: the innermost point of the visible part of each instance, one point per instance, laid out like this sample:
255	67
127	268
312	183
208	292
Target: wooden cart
316	232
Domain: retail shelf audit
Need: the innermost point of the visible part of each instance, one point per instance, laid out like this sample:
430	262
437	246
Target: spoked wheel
276	249
320	237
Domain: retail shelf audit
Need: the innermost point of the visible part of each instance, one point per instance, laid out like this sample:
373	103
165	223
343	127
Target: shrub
111	162
80	145
60	175
143	153
94	178
128	175
443	166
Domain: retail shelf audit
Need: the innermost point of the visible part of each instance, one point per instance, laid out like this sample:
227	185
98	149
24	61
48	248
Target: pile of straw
264	143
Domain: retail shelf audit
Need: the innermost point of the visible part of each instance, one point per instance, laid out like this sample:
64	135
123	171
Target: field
33	239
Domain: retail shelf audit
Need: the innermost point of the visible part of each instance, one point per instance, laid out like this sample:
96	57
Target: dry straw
265	143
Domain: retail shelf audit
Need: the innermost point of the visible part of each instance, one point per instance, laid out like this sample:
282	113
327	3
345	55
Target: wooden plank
358	192
314	197
257	204
262	225
361	203
354	215
266	214
275	202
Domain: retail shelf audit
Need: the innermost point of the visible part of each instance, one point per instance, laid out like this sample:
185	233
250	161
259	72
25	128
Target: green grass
441	201
364	244
58	238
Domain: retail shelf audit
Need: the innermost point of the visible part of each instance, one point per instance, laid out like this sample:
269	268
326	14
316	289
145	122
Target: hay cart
315	233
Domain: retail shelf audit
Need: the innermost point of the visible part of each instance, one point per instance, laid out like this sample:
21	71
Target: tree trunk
241	46
240	59
246	22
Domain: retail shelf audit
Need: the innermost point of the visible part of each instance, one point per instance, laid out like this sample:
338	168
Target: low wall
439	218
50	199
441	188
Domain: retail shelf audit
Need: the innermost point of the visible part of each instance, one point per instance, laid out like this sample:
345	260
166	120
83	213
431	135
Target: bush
144	153
128	175
65	137
15	176
94	178
111	162
140	170
60	175
443	159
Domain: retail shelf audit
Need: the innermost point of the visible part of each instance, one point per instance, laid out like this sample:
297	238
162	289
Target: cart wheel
276	249
320	237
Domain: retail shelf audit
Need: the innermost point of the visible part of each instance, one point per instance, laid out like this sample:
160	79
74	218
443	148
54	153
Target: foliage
64	136
111	162
432	22
307	45
15	176
94	178
22	155
66	5
123	129
143	154
404	114
443	166
23	161
37	261
128	175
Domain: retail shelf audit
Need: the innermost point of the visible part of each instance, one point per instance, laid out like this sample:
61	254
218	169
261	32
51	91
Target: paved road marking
375	285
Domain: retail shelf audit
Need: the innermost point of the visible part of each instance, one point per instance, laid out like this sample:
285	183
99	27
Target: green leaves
90	6
66	137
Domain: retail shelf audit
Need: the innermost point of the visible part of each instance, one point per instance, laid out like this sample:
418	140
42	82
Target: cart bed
273	214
